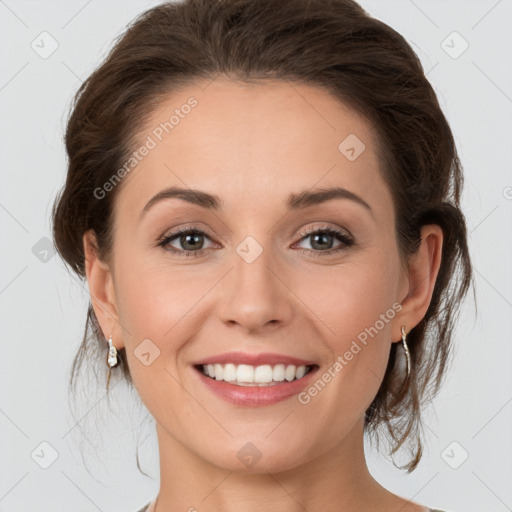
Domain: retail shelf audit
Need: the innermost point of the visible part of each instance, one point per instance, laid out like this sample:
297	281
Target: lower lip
255	396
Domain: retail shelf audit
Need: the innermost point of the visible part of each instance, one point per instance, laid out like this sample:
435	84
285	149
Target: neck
337	479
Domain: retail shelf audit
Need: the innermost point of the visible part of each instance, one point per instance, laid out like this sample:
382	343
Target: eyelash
341	236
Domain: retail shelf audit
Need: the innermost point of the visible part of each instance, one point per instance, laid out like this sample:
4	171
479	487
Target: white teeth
290	372
229	372
301	371
244	374
219	372
278	372
263	373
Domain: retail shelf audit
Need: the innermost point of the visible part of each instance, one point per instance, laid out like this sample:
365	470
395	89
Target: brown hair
332	44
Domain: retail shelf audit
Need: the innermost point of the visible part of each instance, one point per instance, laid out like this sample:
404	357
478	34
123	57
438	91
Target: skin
253	145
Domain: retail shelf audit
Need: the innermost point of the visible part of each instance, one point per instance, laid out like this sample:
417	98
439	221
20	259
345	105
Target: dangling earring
112	353
407	355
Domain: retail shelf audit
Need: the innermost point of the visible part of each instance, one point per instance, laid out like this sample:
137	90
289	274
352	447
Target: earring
406	349
112	353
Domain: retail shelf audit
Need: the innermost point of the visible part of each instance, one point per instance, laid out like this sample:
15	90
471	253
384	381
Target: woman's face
260	282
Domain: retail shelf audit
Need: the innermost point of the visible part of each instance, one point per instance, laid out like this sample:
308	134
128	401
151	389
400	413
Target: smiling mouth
251	376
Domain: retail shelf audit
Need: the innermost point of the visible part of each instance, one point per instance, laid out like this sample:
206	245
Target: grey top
146	507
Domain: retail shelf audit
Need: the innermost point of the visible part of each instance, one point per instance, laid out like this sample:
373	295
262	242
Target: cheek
357	306
154	300
158	310
354	297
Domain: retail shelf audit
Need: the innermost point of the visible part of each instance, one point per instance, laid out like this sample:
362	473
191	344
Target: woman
211	156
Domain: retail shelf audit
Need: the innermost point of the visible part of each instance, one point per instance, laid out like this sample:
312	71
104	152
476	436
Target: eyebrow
295	201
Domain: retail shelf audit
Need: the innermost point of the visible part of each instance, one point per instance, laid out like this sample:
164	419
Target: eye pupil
322	237
185	240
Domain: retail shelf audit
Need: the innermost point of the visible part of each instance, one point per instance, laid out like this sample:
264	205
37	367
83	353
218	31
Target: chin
253	455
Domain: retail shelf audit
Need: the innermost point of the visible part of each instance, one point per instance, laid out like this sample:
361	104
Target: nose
255	295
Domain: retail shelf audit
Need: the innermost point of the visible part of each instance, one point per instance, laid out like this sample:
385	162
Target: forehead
253	142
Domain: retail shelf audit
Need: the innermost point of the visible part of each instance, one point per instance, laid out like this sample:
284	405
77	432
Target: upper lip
253	359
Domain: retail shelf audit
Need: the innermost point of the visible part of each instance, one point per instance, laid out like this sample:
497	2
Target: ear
419	283
101	289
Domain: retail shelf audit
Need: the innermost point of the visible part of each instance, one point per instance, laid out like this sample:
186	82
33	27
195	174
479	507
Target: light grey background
42	306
